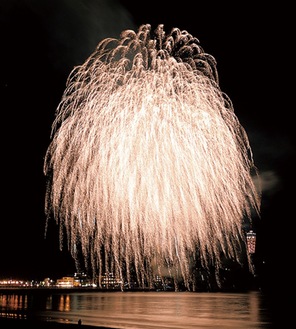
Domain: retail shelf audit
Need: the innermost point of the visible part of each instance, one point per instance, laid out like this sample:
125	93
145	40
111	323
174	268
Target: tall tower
251	242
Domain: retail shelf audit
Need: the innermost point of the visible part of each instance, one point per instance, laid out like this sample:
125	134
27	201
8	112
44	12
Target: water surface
147	310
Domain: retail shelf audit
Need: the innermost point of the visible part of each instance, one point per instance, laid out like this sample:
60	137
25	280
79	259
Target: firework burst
149	168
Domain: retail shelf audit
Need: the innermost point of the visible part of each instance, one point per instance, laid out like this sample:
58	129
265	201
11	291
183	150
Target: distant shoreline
26	290
54	289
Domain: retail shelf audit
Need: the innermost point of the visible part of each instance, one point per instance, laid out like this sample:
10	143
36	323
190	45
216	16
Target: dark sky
43	40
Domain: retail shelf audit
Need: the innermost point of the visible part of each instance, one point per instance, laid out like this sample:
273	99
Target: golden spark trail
149	168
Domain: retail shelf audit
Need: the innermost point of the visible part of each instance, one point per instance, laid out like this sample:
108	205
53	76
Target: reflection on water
142	309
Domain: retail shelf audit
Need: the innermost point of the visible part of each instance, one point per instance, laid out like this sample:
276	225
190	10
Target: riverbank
7	323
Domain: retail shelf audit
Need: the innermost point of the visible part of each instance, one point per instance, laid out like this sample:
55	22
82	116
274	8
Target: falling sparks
149	169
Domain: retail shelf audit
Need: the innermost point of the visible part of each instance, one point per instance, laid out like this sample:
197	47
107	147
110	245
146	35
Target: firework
149	169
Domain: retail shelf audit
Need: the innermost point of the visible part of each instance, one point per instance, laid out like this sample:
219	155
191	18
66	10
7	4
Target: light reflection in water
64	303
13	305
145	309
49	303
14	302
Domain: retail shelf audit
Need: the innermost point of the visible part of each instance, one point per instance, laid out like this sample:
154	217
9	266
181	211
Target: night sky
43	40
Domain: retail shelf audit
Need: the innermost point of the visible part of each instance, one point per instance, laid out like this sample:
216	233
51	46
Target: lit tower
251	242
